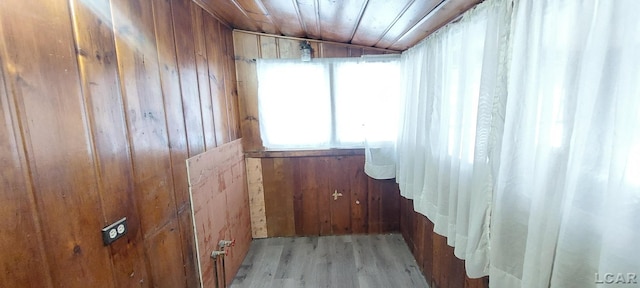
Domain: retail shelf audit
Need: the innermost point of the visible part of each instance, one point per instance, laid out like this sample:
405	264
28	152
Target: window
327	103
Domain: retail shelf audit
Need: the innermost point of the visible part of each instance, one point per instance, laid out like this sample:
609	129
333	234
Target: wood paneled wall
299	197
101	102
440	267
250	46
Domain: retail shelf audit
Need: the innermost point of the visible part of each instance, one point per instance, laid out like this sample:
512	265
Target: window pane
366	97
295	105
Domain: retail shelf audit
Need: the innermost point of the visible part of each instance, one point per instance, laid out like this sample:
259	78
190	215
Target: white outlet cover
113	233
120	228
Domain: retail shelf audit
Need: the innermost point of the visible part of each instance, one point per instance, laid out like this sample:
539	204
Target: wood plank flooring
349	261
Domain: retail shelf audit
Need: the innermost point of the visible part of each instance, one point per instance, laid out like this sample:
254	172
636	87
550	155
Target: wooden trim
305	153
390	51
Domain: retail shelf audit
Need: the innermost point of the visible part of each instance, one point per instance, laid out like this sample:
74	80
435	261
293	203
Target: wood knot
77	250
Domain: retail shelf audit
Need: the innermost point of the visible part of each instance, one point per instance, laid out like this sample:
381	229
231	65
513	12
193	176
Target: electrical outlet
114	231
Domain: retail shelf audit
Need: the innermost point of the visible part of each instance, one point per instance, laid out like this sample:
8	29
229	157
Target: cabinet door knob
336	195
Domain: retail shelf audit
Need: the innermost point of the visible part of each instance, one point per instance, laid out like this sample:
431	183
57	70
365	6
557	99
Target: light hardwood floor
350	261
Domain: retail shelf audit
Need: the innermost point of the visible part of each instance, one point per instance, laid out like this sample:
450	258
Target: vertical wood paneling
259	14
439	265
390	199
172	235
286	16
289	48
42	75
371	52
278	191
99	113
202	64
25	248
339	19
359	195
427	245
215	57
333	50
440	16
165	257
135	43
384	206
268	47
341	173
299	201
187	67
146	116
246	47
312	181
99	76
375	24
170	84
324	190
231	88
309	15
409	18
226	11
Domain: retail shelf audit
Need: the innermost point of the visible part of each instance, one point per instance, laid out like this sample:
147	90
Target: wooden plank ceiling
389	24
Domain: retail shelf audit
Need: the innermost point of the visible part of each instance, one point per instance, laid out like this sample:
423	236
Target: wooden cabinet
326	195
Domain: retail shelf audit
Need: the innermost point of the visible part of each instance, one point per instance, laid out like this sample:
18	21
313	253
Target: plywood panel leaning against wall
217	182
100	107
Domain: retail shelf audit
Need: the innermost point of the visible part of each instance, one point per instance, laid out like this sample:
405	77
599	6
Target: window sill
304	153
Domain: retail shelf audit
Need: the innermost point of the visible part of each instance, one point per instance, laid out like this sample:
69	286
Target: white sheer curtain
567	202
294	104
454	90
366	100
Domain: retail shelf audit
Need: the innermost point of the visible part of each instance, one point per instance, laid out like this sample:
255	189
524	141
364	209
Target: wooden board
278	195
188	71
256	198
328	50
215	60
311	211
231	87
246	47
202	65
341	172
217	183
17	205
